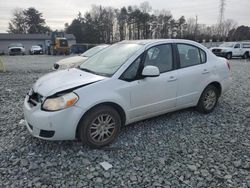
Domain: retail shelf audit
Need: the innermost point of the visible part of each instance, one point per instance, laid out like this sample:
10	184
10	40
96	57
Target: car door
193	73
152	95
237	50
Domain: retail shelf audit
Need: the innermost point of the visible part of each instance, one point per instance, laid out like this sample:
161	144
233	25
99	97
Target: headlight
61	102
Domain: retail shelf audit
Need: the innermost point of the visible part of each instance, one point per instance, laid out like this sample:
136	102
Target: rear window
190	55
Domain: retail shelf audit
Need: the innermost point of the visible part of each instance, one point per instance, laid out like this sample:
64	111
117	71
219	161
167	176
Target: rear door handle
205	71
172	79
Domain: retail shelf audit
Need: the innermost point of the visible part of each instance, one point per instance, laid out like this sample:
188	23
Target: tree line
108	25
27	21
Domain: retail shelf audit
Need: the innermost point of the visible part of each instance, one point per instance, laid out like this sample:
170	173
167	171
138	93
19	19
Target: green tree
76	29
122	18
35	21
27	21
18	24
240	33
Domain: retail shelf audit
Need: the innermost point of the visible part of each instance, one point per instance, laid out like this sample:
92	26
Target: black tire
229	55
89	125
55	52
245	56
202	105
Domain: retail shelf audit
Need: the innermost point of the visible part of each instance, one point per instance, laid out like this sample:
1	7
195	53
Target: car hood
36	48
221	48
15	47
63	80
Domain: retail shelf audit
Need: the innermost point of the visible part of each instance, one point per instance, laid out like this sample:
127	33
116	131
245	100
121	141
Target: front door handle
172	79
205	71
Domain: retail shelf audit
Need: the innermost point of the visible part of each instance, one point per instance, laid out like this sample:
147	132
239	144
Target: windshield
63	43
36	47
93	51
15	45
228	45
108	61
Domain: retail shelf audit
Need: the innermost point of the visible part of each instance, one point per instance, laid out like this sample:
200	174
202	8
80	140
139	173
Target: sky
59	12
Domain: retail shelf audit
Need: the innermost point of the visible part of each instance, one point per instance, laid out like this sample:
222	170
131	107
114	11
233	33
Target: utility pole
221	16
196	27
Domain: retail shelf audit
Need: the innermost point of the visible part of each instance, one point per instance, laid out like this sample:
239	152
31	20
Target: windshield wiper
93	72
87	70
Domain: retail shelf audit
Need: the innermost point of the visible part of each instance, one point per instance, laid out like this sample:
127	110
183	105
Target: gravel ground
180	149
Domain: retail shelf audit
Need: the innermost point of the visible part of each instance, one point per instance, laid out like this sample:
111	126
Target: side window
160	56
131	73
203	56
190	55
237	46
246	45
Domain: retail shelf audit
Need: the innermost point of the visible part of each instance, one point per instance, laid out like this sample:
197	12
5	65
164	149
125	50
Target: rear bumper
226	84
16	53
37	52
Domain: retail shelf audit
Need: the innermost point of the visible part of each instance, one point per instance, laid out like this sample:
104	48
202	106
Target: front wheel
208	100
100	127
229	55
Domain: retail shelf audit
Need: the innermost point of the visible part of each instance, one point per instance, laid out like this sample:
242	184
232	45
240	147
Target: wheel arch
247	54
217	85
116	106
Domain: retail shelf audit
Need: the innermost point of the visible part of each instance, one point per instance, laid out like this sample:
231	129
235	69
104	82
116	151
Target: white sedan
125	83
36	50
75	61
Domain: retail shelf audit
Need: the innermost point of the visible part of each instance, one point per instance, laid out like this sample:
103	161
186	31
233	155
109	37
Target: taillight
228	65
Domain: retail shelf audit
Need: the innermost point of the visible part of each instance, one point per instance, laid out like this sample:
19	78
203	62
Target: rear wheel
208	99
100	127
245	56
229	55
67	52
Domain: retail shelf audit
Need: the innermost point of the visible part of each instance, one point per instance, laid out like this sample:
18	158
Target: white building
28	40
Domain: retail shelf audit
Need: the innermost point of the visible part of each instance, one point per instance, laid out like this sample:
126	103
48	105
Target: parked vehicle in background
77	60
127	82
36	50
232	49
80	48
16	49
59	44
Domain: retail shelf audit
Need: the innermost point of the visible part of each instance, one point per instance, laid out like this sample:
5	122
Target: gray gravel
180	149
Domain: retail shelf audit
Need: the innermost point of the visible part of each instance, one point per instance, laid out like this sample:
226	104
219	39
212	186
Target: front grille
216	50
35	98
15	50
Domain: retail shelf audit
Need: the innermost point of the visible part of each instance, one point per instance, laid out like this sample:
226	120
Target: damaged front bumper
58	125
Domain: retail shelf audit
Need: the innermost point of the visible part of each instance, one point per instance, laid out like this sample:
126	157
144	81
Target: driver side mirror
150	71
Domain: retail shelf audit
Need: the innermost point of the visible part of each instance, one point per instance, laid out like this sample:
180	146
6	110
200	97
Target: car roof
103	45
149	42
152	41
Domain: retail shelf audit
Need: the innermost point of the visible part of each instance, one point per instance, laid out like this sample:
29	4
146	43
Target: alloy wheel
102	128
210	99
